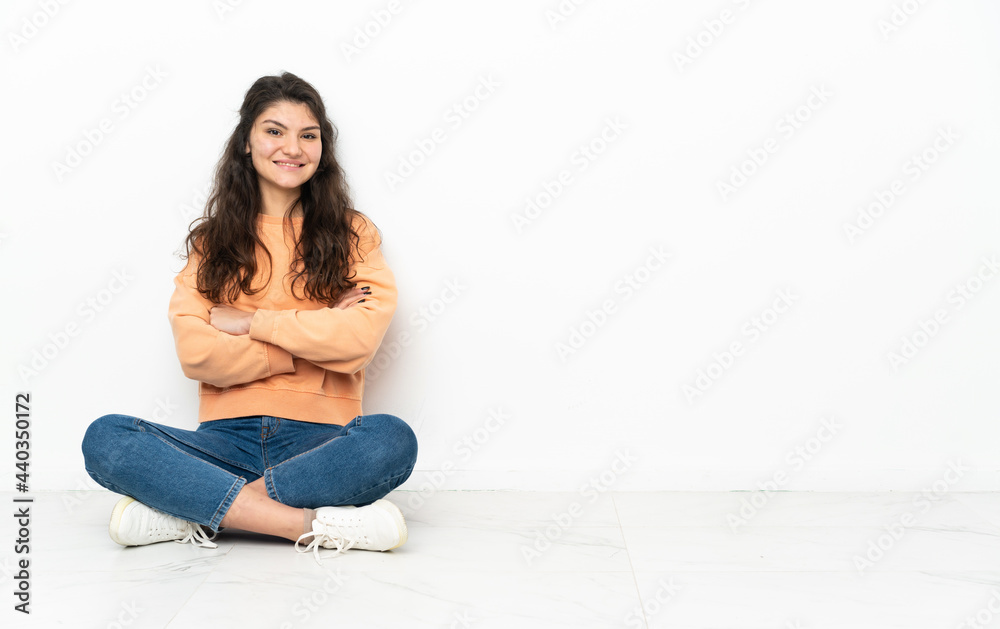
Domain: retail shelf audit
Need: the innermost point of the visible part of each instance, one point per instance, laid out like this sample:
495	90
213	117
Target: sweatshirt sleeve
210	355
341	340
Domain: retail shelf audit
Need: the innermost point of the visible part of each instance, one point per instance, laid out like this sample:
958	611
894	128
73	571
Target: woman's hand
352	296
230	320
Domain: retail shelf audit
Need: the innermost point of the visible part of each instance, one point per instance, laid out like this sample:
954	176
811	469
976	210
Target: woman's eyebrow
284	127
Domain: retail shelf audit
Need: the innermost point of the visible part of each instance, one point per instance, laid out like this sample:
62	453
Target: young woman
284	300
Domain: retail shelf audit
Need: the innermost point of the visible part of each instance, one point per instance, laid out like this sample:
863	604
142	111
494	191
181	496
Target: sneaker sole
116	519
397	517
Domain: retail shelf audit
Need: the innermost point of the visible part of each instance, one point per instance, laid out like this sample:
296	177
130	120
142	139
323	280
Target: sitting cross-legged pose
283	302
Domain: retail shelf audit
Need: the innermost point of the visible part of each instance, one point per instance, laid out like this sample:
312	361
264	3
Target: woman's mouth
289	165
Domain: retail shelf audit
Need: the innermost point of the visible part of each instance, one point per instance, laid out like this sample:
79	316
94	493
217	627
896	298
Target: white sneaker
135	524
378	526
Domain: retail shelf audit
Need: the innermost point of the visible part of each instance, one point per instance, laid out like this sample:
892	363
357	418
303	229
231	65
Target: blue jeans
196	474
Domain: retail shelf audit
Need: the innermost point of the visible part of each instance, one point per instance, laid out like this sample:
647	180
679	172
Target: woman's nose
292	146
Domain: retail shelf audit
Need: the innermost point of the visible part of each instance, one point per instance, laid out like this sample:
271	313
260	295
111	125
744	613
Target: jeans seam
227	502
388	481
307	451
264	437
272	488
193	456
104	483
238	464
269	485
263	450
269	471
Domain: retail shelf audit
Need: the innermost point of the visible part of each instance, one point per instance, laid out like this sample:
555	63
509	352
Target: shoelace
197	536
342	541
162	526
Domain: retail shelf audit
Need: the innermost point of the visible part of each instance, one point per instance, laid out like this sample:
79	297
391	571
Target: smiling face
285	146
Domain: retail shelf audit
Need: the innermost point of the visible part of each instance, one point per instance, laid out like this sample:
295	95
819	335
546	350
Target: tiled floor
522	560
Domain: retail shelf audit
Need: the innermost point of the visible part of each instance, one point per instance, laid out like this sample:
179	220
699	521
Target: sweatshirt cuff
262	325
279	360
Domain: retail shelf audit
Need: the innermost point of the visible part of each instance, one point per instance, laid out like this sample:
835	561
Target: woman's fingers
352	296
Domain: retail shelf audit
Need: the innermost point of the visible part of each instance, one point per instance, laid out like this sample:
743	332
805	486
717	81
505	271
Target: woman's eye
310	136
275	130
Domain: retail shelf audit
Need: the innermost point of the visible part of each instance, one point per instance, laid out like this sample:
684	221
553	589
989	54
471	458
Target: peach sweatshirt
301	360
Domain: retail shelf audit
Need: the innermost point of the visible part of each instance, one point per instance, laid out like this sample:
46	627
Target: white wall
866	102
